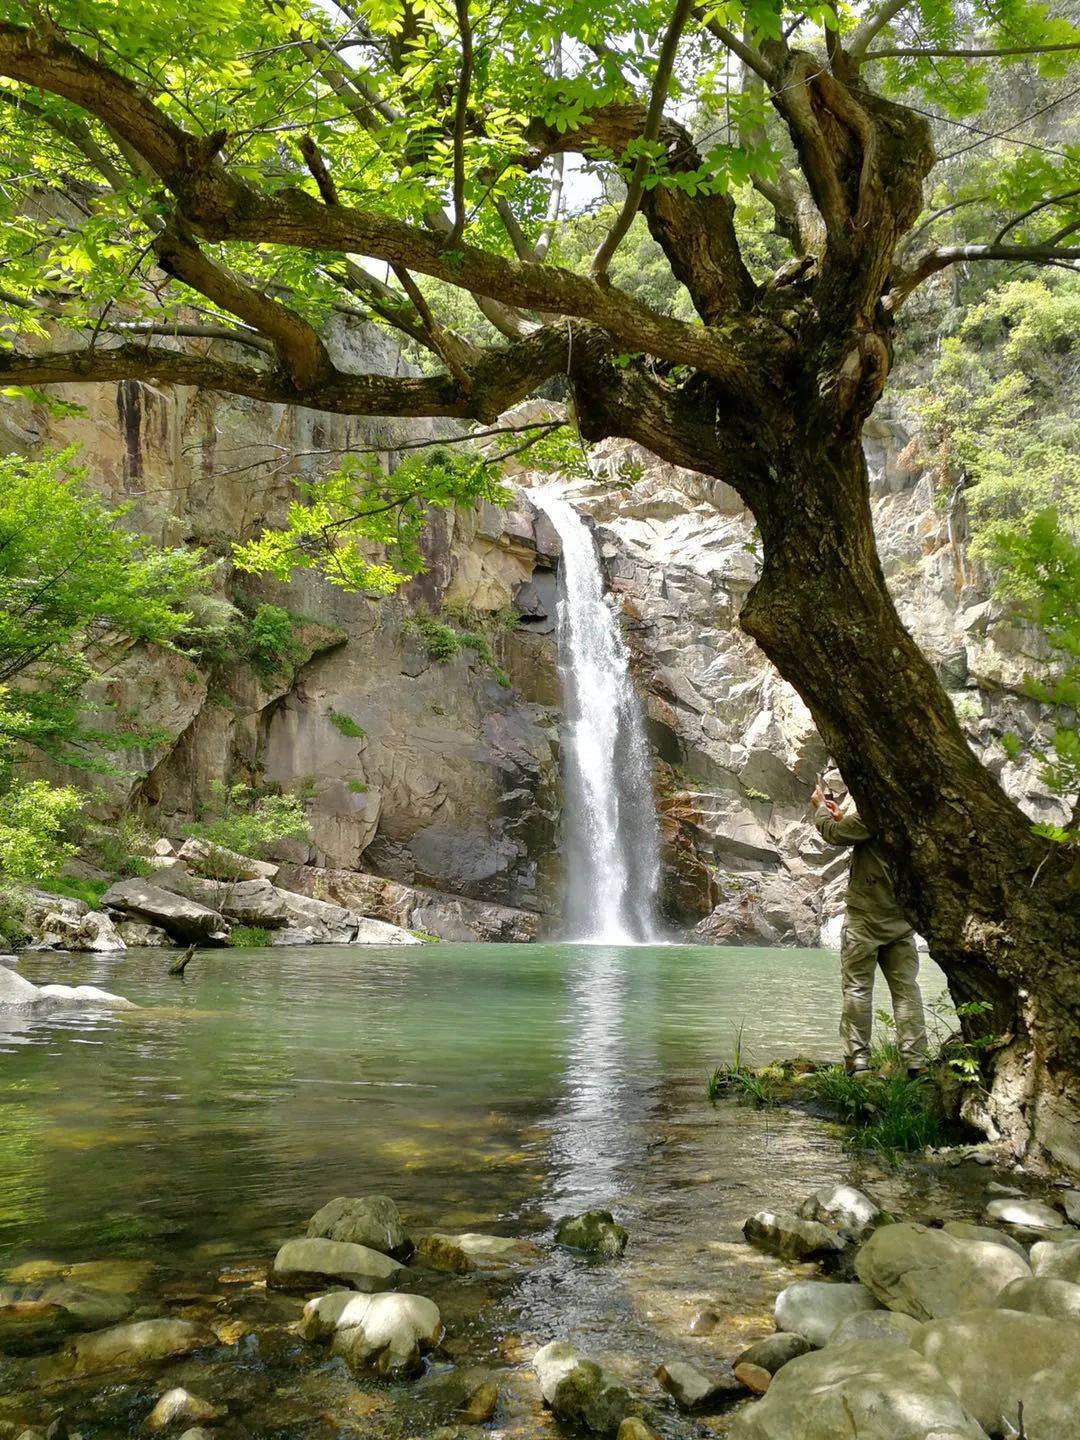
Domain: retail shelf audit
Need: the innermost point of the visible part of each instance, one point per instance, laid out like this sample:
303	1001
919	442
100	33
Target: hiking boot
857	1067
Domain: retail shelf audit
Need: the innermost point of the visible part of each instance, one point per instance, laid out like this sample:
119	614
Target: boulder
138	934
580	1392
181	1407
180	917
379	932
298	935
887	1325
93	931
989	1358
929	1274
866	1389
253	902
371	1220
16	992
814	1308
83	997
965	1230
694	1391
310	1263
1025	1214
138	1343
217	862
386	1333
786	1235
841	1205
461	1253
1070	1199
332	924
774	1352
595	1231
1042	1295
1057	1259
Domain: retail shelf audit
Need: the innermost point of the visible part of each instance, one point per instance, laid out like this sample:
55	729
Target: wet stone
755	1377
774	1351
179	1407
596	1232
481	1404
371	1220
694	1391
704	1322
790	1237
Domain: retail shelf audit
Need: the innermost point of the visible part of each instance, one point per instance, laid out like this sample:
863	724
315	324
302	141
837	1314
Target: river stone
16	992
755	1377
387	1333
888	1325
1058	1259
928	1273
137	1343
381	932
372	1220
481	1403
116	1277
89	996
965	1230
1071	1201
814	1308
595	1231
841	1205
989	1358
310	1263
181	1407
1042	1295
865	1389
693	1391
184	919
704	1322
321	1314
790	1237
578	1391
461	1253
634	1428
774	1352
1025	1214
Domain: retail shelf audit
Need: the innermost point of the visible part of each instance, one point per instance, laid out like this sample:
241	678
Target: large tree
191	188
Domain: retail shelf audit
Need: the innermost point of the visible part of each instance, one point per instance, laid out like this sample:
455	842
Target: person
876	932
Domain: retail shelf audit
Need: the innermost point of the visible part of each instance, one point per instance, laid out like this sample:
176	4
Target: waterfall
609	816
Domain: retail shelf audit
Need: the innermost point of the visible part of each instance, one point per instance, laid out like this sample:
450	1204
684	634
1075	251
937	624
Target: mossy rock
595	1232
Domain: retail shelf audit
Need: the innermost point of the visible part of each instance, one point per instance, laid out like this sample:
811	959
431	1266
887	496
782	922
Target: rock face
867	1388
928	1273
371	1220
309	1264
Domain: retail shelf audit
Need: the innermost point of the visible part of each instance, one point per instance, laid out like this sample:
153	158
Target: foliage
88	891
347	726
75	587
34	820
13	928
271	640
249	937
118	845
238	819
346	515
443	641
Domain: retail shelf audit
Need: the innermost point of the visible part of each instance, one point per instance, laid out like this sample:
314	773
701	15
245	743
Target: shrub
238	819
34	818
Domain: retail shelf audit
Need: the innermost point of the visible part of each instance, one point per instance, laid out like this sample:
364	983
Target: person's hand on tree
818	797
833	809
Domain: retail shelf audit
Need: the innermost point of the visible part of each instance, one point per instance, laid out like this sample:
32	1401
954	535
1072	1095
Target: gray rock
137	1343
928	1273
580	1392
39	1315
299	935
774	1352
841	1205
332	924
253	902
814	1308
1070	1199
181	1407
138	934
372	1220
1057	1259
694	1392
387	1334
1025	1214
595	1231
216	862
865	1389
704	1322
783	1234
180	917
93	931
378	932
16	992
889	1326
965	1230
461	1253
989	1358
1042	1295
19	994
310	1263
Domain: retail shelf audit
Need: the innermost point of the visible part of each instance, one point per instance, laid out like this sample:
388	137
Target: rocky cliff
432	785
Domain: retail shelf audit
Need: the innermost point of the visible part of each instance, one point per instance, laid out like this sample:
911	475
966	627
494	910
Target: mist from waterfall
612	851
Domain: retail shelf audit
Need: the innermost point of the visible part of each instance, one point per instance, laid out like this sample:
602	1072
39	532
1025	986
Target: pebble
754	1377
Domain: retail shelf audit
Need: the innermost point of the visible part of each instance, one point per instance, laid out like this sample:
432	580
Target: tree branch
901	52
864	33
1032	210
746	52
936	260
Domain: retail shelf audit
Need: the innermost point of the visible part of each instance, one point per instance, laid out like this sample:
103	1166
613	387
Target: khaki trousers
899	961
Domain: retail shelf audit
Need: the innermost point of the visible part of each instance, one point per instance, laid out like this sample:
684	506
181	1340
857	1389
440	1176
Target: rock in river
814	1308
774	1352
461	1253
788	1236
928	1273
372	1220
1042	1295
1058	1259
181	1407
696	1392
311	1263
580	1392
18	993
137	1343
386	1333
841	1205
36	1315
866	1389
596	1232
1025	1214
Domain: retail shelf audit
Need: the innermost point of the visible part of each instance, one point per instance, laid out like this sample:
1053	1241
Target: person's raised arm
833	825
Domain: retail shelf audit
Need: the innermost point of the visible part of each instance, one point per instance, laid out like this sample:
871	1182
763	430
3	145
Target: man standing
875	932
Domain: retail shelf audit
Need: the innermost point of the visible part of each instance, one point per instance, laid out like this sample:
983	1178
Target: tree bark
997	905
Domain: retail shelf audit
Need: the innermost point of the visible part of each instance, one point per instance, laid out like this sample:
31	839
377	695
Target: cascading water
612	844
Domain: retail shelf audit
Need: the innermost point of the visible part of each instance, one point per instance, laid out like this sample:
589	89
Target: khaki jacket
872	908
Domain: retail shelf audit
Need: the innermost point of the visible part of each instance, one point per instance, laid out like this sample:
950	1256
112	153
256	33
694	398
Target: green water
483	1087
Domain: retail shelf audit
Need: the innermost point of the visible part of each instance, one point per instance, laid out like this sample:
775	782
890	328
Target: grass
347	726
248	937
88	891
889	1114
442	642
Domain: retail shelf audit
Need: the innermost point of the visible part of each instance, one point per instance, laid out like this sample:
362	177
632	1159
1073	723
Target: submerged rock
181	1407
372	1220
864	1389
814	1308
137	1343
928	1273
461	1253
481	1404
580	1392
774	1352
694	1391
991	1359
704	1322
596	1232
310	1263
386	1333
790	1237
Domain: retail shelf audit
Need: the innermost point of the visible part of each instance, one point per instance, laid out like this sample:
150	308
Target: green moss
347	726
